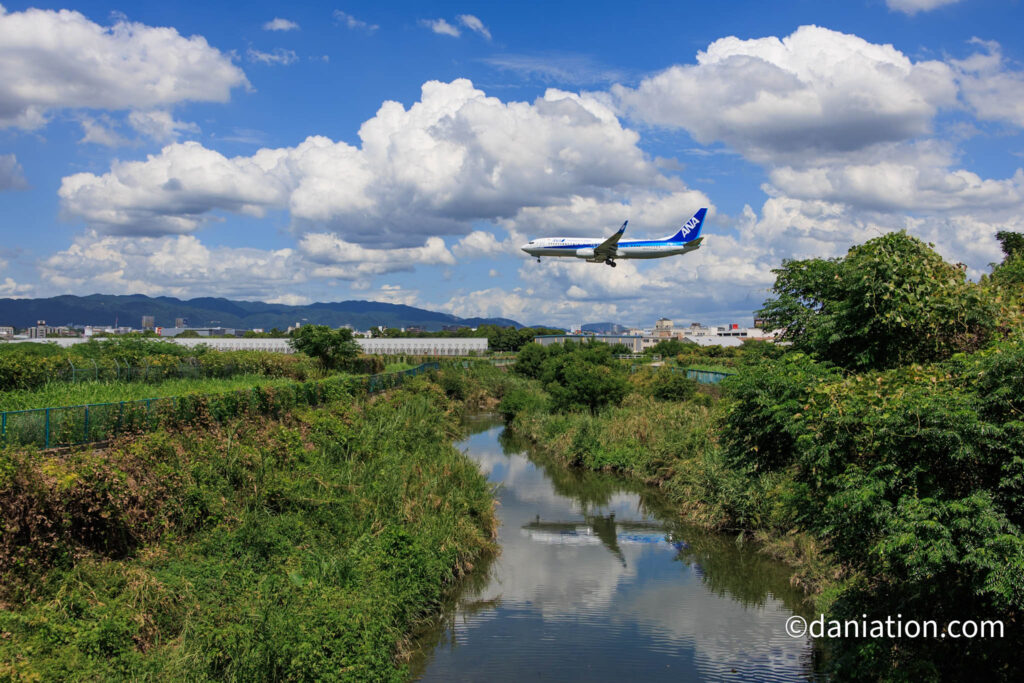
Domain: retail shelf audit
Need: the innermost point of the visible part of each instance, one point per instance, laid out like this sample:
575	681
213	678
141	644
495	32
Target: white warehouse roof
413	346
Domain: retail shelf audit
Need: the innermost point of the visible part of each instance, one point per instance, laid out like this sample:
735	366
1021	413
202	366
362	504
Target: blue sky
403	152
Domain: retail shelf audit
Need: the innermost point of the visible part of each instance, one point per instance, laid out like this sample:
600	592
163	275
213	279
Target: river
596	580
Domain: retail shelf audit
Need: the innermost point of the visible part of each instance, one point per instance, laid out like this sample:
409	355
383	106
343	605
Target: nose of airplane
526	248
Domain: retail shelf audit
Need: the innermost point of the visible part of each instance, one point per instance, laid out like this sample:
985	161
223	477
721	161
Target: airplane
594	250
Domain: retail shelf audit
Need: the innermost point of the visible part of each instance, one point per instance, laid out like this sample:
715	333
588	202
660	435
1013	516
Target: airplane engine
587	253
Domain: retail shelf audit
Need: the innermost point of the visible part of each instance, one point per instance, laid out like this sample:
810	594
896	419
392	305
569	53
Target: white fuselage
583	247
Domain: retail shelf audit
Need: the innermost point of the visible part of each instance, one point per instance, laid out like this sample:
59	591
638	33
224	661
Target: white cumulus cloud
9	289
451	160
474	24
171	192
992	90
814	91
353	23
332	257
277	56
12	176
172	266
441	27
279	24
912	7
160	125
60	59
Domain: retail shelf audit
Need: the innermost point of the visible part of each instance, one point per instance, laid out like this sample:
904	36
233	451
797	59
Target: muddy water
596	581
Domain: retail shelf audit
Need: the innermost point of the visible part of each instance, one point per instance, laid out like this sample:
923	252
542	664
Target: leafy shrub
333	348
889	302
522	400
673	386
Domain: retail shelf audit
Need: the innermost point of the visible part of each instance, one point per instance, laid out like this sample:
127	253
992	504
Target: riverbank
303	548
598	579
890	492
672	445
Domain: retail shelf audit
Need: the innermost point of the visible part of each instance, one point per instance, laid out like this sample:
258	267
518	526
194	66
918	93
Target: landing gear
538	259
610	263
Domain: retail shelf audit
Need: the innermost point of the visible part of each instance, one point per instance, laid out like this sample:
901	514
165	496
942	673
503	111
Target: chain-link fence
705	376
74	425
702	376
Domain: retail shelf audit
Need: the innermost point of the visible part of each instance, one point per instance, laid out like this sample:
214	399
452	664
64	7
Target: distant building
425	346
201	331
148	322
6	332
715	341
181	322
44	331
663	329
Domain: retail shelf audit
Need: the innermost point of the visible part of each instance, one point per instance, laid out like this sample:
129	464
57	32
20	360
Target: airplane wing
608	248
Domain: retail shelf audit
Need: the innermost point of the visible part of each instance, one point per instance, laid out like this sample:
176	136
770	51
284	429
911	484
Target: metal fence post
47	428
86	439
3	429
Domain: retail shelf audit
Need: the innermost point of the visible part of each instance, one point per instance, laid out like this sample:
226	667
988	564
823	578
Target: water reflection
592	583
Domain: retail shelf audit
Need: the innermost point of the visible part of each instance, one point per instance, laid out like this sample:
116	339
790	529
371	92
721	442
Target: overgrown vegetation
28	366
880	453
300	549
79	393
335	349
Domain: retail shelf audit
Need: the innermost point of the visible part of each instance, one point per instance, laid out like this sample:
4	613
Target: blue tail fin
691	230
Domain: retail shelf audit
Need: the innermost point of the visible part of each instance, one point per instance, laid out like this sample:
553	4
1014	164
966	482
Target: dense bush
30	365
577	376
335	349
908	468
302	550
889	302
673	386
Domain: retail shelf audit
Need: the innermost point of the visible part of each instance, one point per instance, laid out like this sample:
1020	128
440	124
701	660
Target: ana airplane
594	250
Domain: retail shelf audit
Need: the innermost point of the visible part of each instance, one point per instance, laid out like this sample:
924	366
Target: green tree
582	376
1012	244
889	302
586	385
1009	275
529	360
667	348
333	348
673	386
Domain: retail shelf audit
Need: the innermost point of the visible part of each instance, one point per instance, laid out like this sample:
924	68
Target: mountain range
105	309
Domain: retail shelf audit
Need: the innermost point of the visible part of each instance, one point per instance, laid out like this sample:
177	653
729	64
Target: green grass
398	367
55	394
302	550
